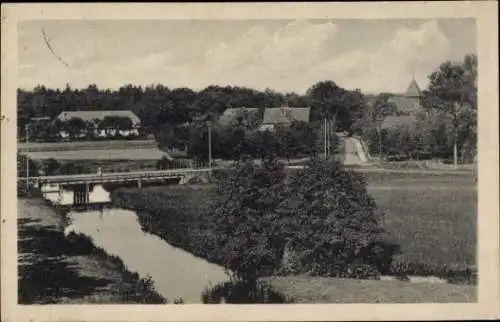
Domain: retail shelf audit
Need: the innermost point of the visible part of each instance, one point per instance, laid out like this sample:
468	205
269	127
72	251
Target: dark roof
280	115
91	115
231	114
406	104
413	90
402	120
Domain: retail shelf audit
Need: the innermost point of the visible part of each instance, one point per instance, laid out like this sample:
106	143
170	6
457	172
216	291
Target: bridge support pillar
87	194
139	183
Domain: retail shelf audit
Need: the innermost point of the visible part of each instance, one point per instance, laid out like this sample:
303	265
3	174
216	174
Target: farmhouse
283	116
231	115
101	129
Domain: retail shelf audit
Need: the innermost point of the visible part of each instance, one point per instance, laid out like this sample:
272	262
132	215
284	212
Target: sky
284	55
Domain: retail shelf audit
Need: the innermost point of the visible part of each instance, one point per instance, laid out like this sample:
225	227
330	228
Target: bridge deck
117	176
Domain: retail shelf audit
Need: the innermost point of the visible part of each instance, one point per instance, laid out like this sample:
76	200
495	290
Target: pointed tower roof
413	90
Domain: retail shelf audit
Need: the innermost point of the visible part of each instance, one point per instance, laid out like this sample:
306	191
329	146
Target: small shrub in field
178	300
241	292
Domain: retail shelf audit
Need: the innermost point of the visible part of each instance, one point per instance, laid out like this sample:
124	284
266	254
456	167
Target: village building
98	116
231	115
408	105
283	116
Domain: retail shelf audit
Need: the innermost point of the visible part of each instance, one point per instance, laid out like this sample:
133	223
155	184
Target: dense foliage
335	227
251	238
320	221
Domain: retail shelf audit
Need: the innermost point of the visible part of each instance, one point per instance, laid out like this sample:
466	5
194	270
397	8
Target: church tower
413	95
413	90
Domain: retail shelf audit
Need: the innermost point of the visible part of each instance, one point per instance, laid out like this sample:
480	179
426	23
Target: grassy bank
54	268
433	218
306	289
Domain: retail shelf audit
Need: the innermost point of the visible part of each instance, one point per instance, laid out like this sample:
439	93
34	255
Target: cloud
292	57
270	59
299	44
391	65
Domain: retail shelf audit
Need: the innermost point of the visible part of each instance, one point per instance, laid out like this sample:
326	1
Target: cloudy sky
285	55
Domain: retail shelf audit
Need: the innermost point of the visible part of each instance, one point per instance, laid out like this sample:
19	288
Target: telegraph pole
209	125
27	159
325	140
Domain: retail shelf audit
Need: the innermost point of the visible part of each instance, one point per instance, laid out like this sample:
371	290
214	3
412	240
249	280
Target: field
79	145
303	289
433	218
96	150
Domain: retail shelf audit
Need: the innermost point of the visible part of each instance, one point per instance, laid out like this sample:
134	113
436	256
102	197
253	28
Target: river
175	272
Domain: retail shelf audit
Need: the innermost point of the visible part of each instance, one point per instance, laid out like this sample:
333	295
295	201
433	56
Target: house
93	116
231	115
283	116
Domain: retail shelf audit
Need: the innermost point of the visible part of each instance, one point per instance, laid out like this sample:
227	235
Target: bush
250	234
335	227
242	292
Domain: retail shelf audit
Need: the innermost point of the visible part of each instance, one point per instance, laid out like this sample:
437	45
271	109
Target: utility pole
328	139
209	125
325	140
380	144
27	159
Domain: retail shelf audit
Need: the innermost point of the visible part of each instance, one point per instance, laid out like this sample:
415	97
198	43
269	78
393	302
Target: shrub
335	227
242	292
250	237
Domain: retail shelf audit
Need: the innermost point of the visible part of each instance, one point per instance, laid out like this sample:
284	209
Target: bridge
81	184
116	177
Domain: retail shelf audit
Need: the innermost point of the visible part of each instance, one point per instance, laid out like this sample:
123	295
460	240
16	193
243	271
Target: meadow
432	217
96	150
79	145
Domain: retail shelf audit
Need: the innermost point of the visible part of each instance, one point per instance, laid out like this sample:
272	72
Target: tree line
177	117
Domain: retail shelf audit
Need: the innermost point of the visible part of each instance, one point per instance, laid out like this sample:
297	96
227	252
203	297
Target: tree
250	235
335	224
453	90
75	126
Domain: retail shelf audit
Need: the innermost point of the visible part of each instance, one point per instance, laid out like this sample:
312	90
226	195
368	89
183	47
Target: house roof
279	115
413	90
406	104
91	115
395	121
232	113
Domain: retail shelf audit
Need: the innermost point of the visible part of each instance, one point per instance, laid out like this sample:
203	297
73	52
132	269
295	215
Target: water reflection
176	273
65	196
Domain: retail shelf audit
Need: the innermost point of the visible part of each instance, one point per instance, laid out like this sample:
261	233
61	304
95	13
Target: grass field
100	154
434	224
96	150
303	289
79	145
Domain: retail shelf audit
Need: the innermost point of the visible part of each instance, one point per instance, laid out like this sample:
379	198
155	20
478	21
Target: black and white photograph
246	161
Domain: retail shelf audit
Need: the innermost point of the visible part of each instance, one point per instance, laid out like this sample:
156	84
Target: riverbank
54	268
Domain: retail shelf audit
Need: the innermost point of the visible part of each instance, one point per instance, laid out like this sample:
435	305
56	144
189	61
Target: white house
91	116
